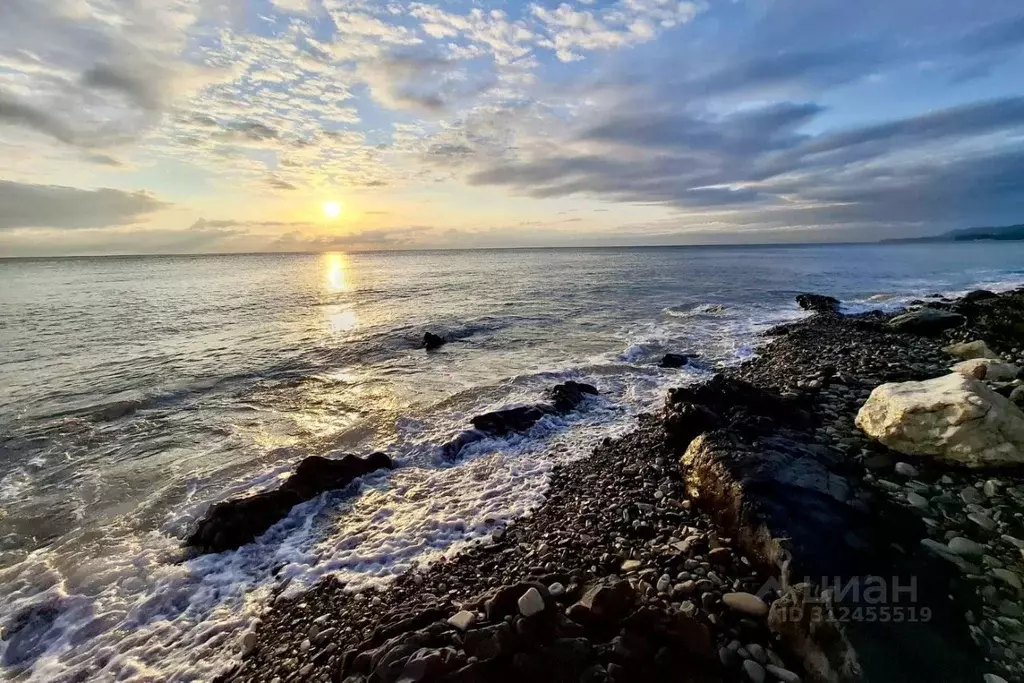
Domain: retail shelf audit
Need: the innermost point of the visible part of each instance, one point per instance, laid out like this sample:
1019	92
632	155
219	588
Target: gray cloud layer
53	206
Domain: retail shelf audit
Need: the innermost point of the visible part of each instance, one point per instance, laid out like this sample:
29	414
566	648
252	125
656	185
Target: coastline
629	511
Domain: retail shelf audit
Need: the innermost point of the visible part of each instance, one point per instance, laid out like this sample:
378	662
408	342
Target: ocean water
238	366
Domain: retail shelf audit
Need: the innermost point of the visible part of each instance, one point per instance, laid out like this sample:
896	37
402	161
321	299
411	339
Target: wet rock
818	303
674	360
432	341
965	547
564	398
954	418
979	295
569	395
926	321
238	521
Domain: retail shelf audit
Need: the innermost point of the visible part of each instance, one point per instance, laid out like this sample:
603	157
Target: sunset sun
331	209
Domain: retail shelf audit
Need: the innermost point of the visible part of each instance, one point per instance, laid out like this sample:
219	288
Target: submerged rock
674	360
238	521
432	341
926	321
955	418
564	398
818	303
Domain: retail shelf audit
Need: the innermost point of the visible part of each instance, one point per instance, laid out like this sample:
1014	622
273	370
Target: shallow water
240	365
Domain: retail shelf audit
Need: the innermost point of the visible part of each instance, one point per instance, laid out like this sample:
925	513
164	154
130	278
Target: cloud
53	206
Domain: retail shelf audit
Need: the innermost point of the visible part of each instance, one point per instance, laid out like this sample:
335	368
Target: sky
199	126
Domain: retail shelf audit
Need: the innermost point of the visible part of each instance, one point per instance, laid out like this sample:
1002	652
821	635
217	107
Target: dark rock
926	321
979	295
606	602
568	395
685	421
724	396
432	341
818	303
500	422
504	602
236	522
489	642
674	360
564	398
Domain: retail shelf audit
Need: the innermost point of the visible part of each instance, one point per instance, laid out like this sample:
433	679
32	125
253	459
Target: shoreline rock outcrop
235	522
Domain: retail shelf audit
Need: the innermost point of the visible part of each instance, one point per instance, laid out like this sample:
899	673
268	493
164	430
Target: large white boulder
971	349
955	418
987	368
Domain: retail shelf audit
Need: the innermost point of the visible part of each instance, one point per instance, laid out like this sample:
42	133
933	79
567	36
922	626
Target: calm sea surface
237	366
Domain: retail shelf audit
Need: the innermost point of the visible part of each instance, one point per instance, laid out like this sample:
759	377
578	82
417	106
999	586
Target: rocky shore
750	531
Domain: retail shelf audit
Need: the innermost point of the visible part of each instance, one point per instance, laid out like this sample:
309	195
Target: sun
331	209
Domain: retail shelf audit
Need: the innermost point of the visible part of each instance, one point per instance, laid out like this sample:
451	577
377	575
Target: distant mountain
1006	232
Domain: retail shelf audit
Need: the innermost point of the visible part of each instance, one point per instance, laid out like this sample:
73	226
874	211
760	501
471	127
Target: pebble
965	546
664	583
754	671
746	603
784	675
556	590
992	678
991	488
1007	576
969	494
531	603
758	653
906	469
463	620
917	500
982	520
248	644
630	566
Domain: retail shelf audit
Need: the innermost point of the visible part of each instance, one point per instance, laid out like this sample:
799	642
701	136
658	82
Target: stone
505	601
462	620
926	321
969	350
784	675
993	678
664	583
630	566
984	521
674	360
819	303
556	590
432	341
965	546
531	603
235	522
563	398
758	653
1017	396
970	495
609	602
1007	577
746	603
990	488
906	469
917	500
990	369
957	419
754	671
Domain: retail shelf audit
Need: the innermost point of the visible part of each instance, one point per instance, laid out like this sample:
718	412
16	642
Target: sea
137	391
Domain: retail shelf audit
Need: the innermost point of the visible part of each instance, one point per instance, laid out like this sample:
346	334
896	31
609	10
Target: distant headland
1004	233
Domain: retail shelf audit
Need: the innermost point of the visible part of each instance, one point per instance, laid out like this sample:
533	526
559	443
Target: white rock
987	368
969	350
992	678
531	603
462	620
630	566
990	488
746	603
965	546
664	583
556	589
954	418
906	469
